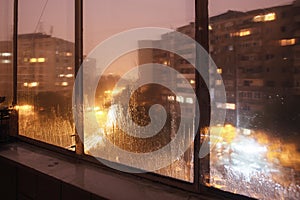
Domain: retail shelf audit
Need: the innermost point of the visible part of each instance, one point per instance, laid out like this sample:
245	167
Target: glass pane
125	91
46	71
257	52
6	69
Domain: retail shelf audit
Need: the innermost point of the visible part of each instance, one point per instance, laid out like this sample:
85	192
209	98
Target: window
265	100
247	83
264	18
241	33
44	106
257	146
270	17
110	99
287	42
6	52
218	82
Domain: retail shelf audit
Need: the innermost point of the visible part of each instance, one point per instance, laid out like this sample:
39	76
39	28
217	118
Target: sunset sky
104	18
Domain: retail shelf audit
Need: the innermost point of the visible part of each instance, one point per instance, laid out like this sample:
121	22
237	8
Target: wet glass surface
256	49
46	71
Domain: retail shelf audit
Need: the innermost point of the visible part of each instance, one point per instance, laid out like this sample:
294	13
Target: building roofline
40	36
33	35
232	14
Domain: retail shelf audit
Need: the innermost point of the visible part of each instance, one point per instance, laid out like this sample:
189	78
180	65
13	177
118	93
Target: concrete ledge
40	170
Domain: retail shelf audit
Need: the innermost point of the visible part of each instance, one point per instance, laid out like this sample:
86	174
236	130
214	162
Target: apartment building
45	64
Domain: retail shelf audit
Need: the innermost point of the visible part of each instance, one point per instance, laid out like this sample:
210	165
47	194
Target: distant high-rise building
6	70
45	64
256	53
159	56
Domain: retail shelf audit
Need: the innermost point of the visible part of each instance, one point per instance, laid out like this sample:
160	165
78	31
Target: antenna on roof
51	30
41	27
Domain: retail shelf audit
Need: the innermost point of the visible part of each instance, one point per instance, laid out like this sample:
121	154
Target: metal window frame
15	51
201	14
201	166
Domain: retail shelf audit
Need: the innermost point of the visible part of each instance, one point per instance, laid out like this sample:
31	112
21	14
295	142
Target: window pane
256	49
118	96
6	69
46	71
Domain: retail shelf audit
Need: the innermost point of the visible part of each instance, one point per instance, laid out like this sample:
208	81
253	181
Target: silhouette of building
160	56
256	52
6	70
45	63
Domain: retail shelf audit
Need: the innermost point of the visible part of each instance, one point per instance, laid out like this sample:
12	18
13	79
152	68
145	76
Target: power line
42	13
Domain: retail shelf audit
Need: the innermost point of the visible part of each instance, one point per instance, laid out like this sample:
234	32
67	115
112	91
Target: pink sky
104	18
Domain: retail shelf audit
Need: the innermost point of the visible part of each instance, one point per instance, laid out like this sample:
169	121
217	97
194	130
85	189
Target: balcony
105	103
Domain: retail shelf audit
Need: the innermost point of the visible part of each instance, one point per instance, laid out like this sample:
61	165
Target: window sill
92	179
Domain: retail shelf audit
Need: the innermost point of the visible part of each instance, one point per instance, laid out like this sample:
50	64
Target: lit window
41	60
33	60
69	75
180	99
218	82
287	42
244	33
219	71
210	27
192	81
264	18
5	54
241	33
189	100
171	98
5	61
64	84
30	85
230	106
33	84
270	17
258	18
